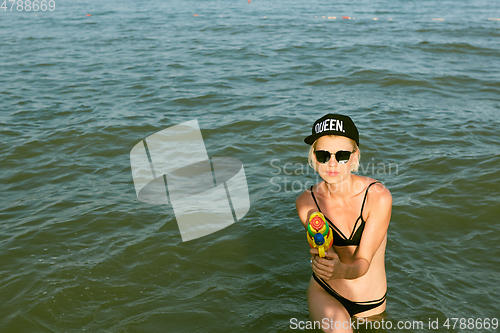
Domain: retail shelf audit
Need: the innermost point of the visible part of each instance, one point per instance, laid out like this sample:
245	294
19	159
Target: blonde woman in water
350	281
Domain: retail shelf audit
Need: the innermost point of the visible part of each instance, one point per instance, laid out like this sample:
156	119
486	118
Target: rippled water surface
78	251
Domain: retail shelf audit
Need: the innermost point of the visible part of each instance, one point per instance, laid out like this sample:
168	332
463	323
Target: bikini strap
364	199
380	300
312	193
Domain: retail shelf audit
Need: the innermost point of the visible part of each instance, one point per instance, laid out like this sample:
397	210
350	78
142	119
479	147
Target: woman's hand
326	268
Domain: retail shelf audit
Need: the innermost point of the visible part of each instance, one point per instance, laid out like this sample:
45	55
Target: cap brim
310	139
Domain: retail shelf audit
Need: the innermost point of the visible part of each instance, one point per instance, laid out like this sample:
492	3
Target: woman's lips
332	173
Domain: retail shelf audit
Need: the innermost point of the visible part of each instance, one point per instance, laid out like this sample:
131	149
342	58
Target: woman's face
333	171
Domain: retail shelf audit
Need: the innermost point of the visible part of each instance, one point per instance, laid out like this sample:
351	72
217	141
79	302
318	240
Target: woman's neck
342	189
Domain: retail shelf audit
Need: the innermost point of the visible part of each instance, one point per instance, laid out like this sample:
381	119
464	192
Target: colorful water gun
319	234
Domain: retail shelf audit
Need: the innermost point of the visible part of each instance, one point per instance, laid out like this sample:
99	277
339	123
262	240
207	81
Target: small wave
455	48
201	100
381	78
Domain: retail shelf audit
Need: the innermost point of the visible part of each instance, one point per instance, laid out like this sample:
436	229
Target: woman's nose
332	161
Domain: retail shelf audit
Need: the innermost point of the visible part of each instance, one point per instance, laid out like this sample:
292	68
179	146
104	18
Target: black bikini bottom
352	307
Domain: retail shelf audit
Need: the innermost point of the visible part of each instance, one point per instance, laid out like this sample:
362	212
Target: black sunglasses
342	156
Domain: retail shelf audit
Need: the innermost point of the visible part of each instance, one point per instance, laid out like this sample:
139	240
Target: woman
350	280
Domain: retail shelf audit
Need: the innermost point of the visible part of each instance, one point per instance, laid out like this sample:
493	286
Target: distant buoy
346	17
248	1
375	18
195	15
89	14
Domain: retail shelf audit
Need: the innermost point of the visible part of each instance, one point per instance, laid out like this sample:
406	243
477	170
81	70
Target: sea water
82	84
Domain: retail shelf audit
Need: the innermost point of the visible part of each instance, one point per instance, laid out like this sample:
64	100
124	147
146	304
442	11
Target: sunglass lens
343	156
322	156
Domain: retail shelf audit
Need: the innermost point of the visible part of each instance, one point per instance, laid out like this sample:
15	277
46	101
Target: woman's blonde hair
354	166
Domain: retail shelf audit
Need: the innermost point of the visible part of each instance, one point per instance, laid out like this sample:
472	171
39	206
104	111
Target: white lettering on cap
329	125
317	128
340	126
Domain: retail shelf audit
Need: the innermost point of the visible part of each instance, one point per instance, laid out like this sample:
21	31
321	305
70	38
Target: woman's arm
374	233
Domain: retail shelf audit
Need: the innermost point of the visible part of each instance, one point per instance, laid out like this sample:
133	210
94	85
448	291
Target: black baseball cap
333	124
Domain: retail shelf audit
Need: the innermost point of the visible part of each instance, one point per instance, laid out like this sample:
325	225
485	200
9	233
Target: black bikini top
338	237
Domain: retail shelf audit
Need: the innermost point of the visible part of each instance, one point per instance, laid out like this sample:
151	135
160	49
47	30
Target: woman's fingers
322	266
327	267
328	254
322	274
331	253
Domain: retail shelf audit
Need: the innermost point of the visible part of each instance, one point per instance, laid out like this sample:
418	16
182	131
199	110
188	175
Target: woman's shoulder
305	205
376	188
378	195
305	199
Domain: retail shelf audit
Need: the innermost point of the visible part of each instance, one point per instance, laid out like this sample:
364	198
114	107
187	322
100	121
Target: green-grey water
79	252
